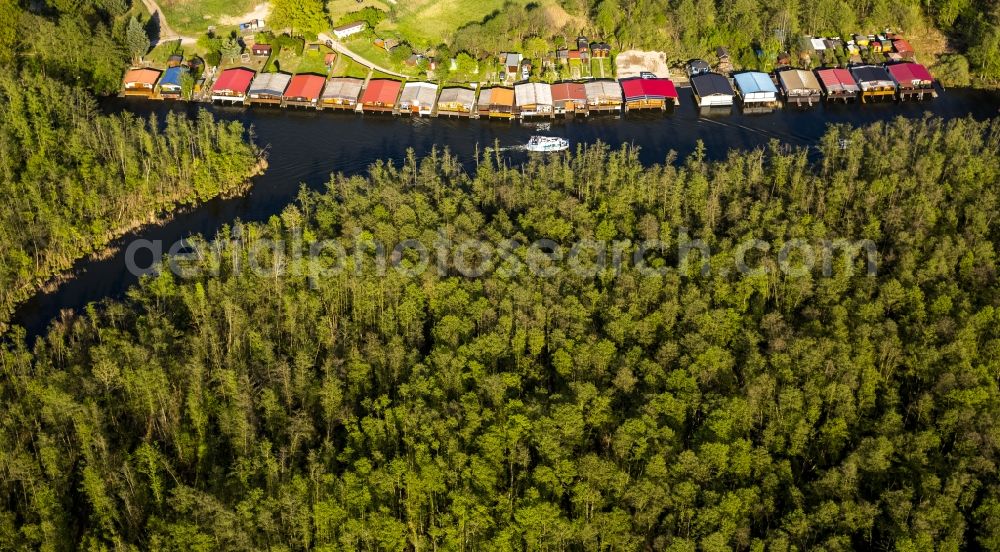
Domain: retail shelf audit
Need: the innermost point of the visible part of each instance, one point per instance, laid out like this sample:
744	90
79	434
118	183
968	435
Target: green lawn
347	67
365	48
601	68
429	22
192	17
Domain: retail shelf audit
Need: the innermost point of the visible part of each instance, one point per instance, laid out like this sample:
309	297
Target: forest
75	178
684	410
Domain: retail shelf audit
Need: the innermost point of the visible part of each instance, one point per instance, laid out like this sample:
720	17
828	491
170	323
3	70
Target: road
343	50
166	33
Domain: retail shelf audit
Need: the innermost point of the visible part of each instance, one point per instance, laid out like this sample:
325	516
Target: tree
136	40
302	17
230	48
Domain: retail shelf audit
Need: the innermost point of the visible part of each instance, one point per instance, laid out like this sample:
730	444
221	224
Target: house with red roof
649	93
838	85
913	80
232	85
304	90
140	82
569	98
380	95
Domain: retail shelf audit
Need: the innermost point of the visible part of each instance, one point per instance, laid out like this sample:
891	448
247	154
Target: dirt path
343	50
260	11
166	33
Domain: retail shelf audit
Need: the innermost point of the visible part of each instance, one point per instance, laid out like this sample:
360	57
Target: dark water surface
307	146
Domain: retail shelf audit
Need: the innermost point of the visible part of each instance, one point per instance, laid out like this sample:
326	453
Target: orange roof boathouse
140	82
304	90
380	95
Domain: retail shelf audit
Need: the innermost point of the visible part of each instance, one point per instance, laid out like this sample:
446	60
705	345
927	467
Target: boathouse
304	90
874	81
533	99
170	84
569	98
232	85
643	93
418	98
140	82
800	87
268	88
341	93
756	89
711	90
603	95
496	102
456	101
913	81
838	85
380	95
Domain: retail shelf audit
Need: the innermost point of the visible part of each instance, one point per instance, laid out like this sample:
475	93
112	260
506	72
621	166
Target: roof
817	44
910	73
172	76
797	79
902	46
236	79
344	88
872	75
142	76
574	54
420	93
264	47
458	95
564	91
533	93
648	88
512	58
383	91
305	86
709	84
500	96
837	80
272	84
754	82
349	26
603	89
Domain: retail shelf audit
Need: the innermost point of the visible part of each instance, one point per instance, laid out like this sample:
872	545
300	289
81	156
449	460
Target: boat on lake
545	144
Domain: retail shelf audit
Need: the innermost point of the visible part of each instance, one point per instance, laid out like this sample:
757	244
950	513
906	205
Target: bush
952	70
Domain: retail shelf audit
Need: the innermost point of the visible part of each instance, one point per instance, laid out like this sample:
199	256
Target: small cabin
268	88
838	85
913	81
569	98
262	50
711	90
800	87
232	85
903	48
304	90
418	98
600	50
647	93
603	95
496	103
874	81
340	93
697	67
349	29
756	88
533	99
380	95
170	84
140	82
456	101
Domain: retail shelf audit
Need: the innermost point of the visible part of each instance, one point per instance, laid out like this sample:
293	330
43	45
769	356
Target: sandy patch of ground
260	11
558	18
631	63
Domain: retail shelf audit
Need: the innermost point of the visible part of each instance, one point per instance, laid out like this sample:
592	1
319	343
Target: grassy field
192	17
366	49
308	62
430	22
347	67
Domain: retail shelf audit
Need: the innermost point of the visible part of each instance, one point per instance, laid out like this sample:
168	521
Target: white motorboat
544	144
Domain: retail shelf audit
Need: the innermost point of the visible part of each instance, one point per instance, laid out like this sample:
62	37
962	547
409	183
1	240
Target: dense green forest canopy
248	410
74	178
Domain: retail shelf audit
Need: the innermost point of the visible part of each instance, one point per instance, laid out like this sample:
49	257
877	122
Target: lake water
306	146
